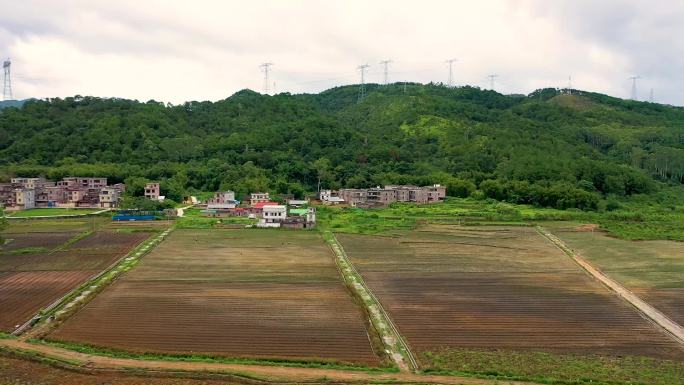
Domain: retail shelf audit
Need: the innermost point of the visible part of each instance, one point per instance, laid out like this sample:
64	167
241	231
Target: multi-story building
273	216
352	196
382	196
222	200
80	182
108	197
23	193
24	198
29	182
258	198
152	191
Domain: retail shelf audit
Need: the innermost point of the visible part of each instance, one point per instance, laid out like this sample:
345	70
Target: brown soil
237	293
45	240
30	282
587	227
23	294
528	295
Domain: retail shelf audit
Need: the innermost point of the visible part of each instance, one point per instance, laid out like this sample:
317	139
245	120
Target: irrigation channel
394	343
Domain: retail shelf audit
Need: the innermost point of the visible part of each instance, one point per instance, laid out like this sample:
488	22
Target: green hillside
547	149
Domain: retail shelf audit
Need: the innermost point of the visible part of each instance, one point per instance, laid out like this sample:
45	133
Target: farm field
497	288
653	270
39	212
39	267
265	294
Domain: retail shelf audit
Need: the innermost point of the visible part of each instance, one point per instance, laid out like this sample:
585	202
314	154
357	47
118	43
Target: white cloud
179	50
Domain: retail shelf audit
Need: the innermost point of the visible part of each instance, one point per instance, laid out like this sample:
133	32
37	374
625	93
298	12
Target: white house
329	197
272	216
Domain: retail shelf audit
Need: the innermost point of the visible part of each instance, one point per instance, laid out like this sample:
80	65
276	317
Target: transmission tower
651	96
450	62
265	68
492	78
362	87
385	64
634	86
7	85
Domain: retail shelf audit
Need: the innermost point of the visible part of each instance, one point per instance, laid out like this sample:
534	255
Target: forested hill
546	148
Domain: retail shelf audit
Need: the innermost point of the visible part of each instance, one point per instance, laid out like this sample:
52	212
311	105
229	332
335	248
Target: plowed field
497	288
32	281
238	293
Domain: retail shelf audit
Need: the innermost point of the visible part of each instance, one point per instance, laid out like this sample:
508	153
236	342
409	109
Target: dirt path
270	373
180	212
671	327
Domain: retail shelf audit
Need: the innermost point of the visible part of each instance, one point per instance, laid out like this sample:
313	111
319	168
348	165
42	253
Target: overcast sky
174	51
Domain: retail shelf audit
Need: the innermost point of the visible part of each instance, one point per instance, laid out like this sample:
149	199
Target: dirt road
671	327
269	373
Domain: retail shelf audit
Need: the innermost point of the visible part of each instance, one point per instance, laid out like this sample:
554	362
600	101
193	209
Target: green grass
634	221
117	353
642	264
50	212
552	368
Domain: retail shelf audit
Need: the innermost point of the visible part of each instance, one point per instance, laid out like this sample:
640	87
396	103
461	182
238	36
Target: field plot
32	280
497	288
238	293
653	270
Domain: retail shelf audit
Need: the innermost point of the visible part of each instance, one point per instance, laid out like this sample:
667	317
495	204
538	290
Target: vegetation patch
553	368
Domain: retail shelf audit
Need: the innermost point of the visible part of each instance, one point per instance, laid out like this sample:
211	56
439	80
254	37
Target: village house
222	200
259	197
152	191
272	215
383	196
330	197
24	193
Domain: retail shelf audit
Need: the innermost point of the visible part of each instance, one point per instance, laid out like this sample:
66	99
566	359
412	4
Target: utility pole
450	62
7	84
634	86
492	78
265	68
362	87
386	64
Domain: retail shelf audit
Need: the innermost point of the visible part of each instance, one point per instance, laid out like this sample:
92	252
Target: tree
322	167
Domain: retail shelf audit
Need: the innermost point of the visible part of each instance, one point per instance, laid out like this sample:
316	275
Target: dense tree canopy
547	148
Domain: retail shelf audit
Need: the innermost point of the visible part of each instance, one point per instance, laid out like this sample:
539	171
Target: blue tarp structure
129	217
136	215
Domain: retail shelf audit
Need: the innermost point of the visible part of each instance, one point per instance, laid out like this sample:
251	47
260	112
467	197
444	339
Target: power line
7	83
634	86
492	78
386	64
362	87
450	82
265	68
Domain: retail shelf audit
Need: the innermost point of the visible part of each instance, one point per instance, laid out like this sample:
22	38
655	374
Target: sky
177	51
